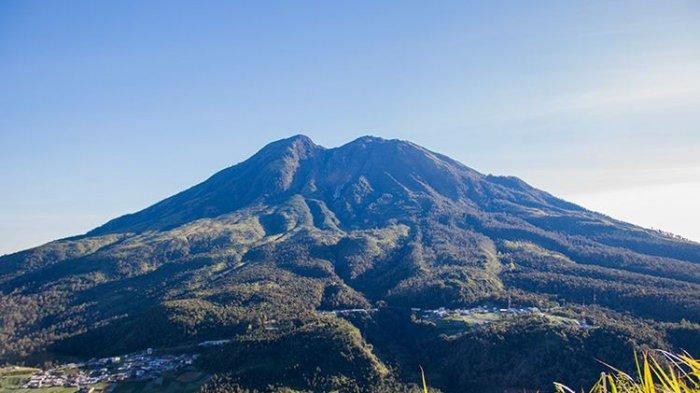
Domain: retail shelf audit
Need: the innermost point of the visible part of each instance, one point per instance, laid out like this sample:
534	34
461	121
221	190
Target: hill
258	250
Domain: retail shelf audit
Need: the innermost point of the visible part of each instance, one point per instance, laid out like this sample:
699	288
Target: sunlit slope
298	227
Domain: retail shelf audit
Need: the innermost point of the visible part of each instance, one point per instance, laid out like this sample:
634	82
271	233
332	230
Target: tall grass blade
422	375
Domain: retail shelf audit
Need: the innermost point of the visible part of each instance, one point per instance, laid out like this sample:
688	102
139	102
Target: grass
535	249
11	381
475	318
661	373
560	320
455	322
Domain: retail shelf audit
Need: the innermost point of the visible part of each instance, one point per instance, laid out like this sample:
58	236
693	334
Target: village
488	314
149	365
444	312
350	311
473	316
135	366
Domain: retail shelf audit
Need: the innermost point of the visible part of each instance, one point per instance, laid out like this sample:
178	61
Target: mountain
256	252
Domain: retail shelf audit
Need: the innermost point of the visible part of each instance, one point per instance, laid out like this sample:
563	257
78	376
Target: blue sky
107	107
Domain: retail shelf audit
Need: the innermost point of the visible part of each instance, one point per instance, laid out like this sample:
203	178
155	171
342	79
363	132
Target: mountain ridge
374	223
283	160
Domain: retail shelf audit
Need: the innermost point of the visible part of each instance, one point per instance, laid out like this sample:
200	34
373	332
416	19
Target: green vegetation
182	382
669	374
534	350
325	355
253	253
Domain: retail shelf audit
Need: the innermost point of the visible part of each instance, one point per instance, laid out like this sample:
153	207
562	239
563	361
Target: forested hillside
258	251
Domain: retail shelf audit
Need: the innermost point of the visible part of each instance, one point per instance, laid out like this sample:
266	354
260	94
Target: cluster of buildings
135	366
51	378
214	343
443	312
479	315
350	311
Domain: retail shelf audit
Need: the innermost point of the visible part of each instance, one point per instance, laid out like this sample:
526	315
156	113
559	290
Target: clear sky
108	107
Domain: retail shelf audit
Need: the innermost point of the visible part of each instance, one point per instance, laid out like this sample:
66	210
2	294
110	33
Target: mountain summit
257	253
358	181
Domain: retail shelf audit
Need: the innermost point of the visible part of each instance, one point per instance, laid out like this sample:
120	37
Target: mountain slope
299	228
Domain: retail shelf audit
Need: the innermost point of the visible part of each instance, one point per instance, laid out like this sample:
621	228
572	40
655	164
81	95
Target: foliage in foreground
667	373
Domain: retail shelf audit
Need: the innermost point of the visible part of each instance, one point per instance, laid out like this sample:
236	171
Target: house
213	343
